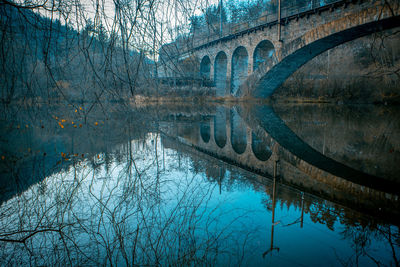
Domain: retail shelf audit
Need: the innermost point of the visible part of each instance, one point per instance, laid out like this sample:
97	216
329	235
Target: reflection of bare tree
361	240
130	213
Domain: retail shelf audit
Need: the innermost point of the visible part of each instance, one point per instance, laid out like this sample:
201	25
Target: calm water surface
200	185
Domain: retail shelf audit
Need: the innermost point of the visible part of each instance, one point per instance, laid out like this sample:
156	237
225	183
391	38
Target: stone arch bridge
255	60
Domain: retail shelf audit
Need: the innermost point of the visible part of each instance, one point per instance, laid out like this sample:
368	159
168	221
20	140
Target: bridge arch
264	51
238	133
240	61
205	67
220	71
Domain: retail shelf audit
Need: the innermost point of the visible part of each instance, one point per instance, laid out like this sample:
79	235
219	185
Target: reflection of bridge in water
259	141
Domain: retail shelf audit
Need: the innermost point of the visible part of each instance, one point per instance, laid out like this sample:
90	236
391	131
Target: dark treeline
45	60
232	12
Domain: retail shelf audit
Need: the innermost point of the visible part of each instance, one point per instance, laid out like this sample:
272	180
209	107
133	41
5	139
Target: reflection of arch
220	127
275	127
240	60
260	148
220	68
205	67
238	133
205	131
263	51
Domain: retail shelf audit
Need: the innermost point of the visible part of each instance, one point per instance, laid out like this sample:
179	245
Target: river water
178	185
